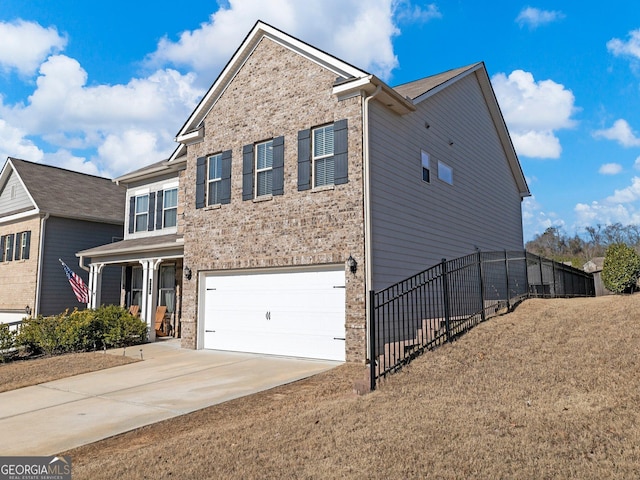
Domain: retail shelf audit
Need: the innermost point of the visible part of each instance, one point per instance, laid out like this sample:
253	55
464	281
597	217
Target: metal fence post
445	292
506	268
481	282
372	340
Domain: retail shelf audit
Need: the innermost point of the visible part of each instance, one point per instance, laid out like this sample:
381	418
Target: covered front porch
151	281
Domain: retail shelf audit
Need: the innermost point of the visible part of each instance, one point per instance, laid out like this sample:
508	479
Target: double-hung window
214	179
142	213
264	168
169	208
6	247
323	159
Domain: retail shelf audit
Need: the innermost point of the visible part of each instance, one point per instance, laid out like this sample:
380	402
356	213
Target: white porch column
149	297
95	284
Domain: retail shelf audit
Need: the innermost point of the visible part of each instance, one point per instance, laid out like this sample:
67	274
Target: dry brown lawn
549	391
24	373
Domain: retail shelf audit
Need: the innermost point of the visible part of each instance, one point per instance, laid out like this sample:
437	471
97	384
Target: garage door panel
291	313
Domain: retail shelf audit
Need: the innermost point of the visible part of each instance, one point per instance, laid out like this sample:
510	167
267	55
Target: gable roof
415	89
153	170
64	193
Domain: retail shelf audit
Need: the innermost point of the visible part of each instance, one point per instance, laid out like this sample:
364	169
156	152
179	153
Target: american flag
77	284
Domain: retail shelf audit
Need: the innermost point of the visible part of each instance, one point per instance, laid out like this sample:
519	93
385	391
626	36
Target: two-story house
150	255
46	215
309	182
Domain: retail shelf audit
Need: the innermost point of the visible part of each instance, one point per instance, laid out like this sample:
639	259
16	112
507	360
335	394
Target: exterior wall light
353	265
187	273
27	310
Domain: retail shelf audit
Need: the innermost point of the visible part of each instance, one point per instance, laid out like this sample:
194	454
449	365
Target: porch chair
160	313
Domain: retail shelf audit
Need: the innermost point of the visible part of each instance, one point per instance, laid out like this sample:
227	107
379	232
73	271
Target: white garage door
299	314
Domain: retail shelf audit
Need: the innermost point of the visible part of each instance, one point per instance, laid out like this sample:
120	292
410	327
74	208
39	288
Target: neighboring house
150	255
46	214
309	182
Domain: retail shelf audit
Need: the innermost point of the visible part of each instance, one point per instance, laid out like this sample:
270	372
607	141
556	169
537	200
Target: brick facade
19	277
277	93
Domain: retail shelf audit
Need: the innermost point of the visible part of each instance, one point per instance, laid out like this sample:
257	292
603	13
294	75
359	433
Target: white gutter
36	307
367	209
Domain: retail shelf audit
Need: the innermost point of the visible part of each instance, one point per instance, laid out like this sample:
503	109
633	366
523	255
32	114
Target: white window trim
210	181
320	157
258	171
136	214
443	167
165	209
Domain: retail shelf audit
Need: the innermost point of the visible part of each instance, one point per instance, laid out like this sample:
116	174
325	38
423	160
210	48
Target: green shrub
7	341
81	330
621	268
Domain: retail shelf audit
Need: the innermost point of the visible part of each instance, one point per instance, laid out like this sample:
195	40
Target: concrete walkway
52	417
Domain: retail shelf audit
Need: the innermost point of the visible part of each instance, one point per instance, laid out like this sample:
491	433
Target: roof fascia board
31	199
166	167
368	84
248	46
19	216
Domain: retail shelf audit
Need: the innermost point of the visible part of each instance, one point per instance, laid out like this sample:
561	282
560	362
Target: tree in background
621	268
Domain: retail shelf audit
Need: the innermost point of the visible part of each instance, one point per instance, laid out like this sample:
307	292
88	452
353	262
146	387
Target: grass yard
24	373
549	391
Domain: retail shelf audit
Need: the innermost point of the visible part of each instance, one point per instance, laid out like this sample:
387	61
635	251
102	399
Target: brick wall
277	92
18	277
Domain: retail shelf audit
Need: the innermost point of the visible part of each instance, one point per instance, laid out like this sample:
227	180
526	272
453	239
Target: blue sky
103	87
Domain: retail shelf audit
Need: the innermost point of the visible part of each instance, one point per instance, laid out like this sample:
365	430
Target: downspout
367	210
36	307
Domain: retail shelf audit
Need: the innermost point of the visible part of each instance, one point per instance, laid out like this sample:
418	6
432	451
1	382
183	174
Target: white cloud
636	164
621	132
131	147
361	34
630	48
534	17
533	112
535	220
610	169
619	207
13	143
25	45
404	11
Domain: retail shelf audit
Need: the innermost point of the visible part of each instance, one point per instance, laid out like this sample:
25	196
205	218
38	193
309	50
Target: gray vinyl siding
416	224
63	238
19	203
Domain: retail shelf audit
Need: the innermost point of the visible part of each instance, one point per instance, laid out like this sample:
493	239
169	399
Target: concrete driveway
52	417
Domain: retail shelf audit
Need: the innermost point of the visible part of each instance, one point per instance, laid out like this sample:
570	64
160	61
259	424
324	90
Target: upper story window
214	179
426	169
445	173
6	248
170	208
264	169
142	213
322	158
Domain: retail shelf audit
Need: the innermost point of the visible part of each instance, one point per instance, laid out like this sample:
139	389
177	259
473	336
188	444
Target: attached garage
298	313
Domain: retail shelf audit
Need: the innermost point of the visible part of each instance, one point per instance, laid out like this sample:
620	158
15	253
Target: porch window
170	208
136	286
142	213
167	287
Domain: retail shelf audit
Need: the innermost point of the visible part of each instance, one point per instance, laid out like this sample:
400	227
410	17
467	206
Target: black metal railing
441	303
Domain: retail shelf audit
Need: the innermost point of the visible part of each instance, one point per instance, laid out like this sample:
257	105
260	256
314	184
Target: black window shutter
2	248
132	213
225	177
277	187
340	152
247	172
159	206
304	160
18	246
27	246
10	247
152	209
201	181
